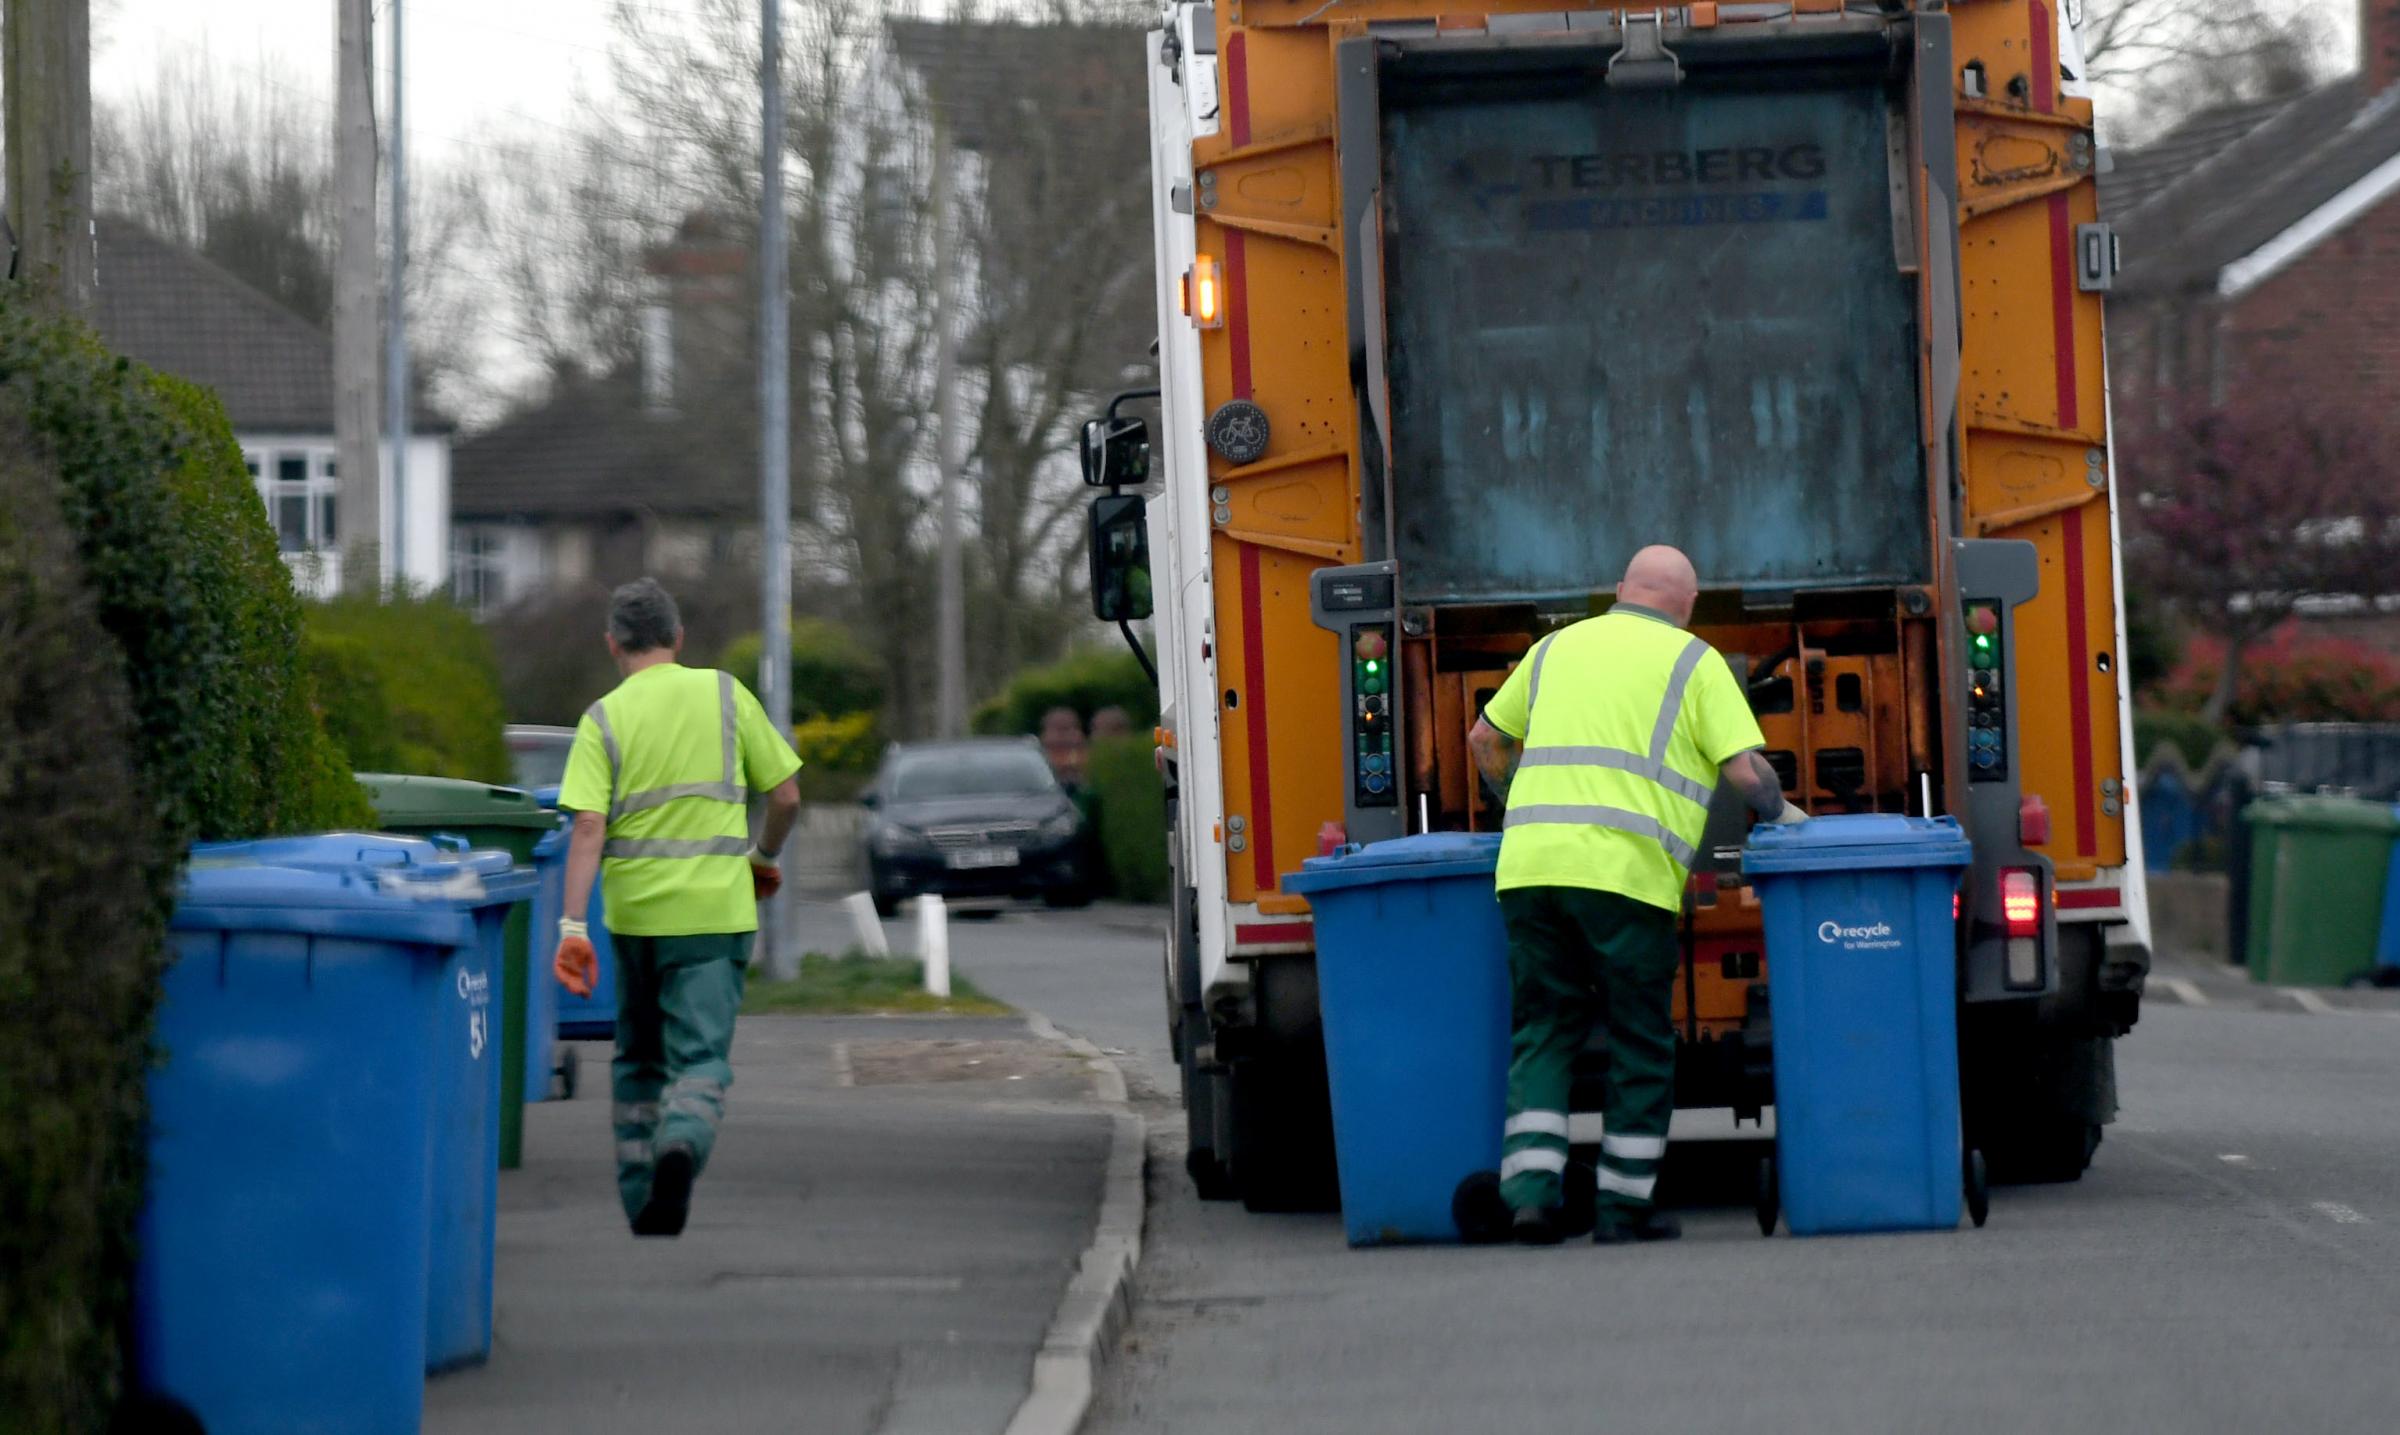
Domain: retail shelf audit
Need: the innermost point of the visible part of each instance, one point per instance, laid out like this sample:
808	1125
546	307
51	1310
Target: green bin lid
414	801
2324	814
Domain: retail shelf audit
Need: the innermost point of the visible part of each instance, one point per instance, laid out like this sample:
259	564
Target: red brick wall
2379	42
2331	318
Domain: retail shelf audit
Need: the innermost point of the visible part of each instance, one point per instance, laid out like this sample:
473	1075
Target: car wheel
887	904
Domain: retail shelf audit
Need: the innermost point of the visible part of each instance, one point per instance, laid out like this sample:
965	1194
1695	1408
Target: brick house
2264	239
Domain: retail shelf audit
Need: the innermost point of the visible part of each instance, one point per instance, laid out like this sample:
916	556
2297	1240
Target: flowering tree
2241	514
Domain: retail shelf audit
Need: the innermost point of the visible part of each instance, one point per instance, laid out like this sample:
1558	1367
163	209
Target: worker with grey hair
658	780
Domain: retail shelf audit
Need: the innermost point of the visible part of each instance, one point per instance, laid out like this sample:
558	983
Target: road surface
2232	1263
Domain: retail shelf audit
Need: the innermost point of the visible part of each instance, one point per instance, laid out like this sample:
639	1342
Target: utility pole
49	84
774	437
360	512
950	617
395	358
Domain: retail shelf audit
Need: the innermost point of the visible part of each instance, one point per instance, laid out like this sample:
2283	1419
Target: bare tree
2175	58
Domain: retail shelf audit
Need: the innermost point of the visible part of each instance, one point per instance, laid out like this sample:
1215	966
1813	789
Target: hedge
83	901
409	684
1086	681
1129	803
2190	734
832	672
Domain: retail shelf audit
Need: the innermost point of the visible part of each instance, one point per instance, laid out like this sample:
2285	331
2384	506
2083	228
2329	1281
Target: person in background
659	779
1608	740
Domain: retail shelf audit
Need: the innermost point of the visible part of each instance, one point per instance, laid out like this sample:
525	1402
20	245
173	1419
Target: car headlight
890	840
1062	826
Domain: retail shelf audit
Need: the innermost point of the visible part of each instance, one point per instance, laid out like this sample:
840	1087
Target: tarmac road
2231	1263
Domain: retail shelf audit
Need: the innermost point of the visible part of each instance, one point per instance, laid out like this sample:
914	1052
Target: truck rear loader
1457	309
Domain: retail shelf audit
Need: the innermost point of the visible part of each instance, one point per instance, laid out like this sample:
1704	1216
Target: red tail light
2021	902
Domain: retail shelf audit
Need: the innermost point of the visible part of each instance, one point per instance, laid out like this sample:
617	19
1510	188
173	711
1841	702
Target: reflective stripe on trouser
676	1001
1578	960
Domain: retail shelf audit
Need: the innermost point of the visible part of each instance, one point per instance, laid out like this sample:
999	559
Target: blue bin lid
547	797
1425	857
553	844
415	868
234	896
1855	842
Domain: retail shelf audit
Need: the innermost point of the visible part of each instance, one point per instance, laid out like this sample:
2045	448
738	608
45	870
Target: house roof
167	306
2229	183
593	449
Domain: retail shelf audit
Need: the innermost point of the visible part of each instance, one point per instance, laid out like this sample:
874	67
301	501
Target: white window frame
318	488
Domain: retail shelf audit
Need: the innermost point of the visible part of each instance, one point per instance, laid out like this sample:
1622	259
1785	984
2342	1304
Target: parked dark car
978	817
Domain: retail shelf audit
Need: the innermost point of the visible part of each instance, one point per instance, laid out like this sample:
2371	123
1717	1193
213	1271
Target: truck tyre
1204	1160
1283	1133
2038	1117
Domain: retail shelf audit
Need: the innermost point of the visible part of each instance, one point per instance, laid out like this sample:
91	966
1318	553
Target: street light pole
395	360
774	435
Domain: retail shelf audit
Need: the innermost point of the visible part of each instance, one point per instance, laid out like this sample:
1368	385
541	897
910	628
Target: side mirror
870	799
1116	453
1120	559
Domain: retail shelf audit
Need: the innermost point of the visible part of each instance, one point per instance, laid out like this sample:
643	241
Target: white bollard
866	924
933	943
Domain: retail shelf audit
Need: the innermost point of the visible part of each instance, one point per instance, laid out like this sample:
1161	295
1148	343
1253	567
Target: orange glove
576	965
766	879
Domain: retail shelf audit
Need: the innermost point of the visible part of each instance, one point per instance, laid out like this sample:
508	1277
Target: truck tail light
1204	293
2021	902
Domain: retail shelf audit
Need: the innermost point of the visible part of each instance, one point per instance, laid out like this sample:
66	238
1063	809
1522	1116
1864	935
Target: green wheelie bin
487	817
2318	866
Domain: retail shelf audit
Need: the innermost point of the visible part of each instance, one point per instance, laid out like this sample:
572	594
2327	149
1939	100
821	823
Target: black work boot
670	1194
1536	1226
1618	1227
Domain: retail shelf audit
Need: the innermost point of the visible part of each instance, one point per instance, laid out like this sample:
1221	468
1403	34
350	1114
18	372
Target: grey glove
1791	813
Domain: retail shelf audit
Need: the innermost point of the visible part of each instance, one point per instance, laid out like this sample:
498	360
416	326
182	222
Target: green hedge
1086	681
152	693
2190	734
409	684
1129	802
832	672
83	901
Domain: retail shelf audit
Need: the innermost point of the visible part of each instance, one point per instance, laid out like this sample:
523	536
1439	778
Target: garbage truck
1459	308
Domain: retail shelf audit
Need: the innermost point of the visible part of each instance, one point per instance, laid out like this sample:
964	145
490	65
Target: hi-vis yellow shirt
671	757
1625	720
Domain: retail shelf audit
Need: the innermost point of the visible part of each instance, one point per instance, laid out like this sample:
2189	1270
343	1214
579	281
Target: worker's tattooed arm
1755	778
1495	755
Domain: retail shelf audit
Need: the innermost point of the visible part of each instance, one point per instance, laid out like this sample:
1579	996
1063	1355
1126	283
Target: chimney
704	326
2379	44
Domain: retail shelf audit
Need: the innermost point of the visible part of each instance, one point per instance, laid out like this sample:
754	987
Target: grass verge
859	985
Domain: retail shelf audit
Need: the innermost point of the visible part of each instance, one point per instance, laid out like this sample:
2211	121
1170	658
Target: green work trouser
676	1000
1577	958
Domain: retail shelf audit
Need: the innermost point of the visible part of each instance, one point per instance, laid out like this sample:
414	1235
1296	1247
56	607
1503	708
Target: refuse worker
1608	741
658	780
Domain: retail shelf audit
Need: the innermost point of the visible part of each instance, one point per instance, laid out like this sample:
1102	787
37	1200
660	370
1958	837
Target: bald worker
1608	741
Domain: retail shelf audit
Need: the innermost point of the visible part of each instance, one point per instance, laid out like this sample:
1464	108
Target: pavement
2227	1265
880	1245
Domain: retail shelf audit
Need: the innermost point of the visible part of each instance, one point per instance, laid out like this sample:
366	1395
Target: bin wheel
1979	1189
149	1413
563	1075
1770	1197
1481	1216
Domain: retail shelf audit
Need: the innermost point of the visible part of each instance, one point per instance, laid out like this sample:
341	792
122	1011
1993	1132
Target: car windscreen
1001	772
539	765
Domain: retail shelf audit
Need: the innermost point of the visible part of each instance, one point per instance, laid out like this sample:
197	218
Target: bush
2191	735
832	673
1129	805
1086	681
410	685
2292	676
185	579
84	896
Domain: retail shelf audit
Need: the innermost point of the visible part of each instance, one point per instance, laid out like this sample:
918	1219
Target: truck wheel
2042	1150
2036	1102
1978	1190
1283	1134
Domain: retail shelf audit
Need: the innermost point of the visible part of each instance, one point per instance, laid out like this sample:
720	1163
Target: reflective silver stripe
633	1153
699	1097
1622	761
635	1113
608	745
1671	707
1638	1187
727	716
1634	1148
1578	815
651	797
676	847
1518	1162
1537	1123
1533	681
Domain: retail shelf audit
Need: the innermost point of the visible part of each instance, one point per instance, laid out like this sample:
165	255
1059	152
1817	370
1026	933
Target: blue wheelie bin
1862	978
286	1228
592	1018
1412	981
463	1148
